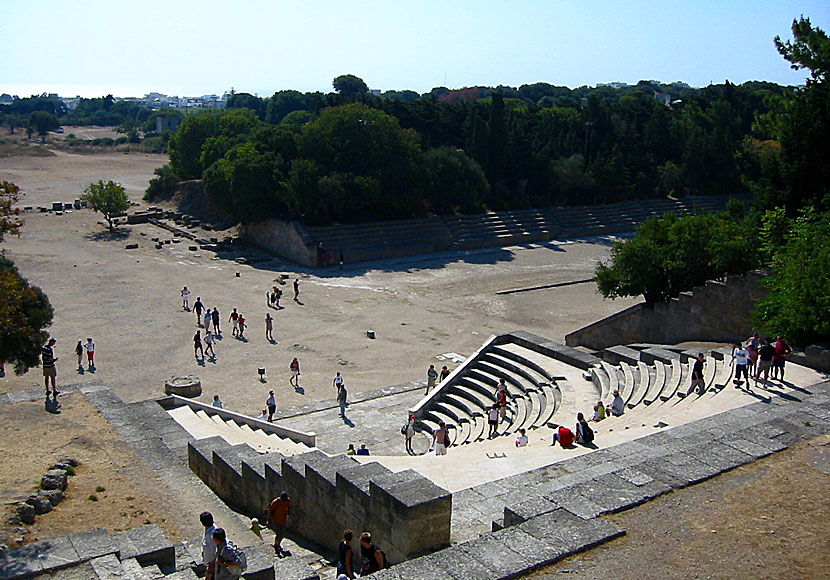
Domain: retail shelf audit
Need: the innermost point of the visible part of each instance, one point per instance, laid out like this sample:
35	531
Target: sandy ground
128	493
128	301
765	520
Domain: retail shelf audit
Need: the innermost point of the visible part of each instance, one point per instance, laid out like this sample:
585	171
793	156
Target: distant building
167	123
663	98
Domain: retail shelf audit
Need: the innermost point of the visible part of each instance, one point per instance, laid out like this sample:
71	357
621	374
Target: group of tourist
371	559
757	358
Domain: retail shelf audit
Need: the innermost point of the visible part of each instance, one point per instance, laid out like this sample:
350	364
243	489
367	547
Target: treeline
320	157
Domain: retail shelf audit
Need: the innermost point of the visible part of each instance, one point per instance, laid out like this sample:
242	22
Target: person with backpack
372	558
208	545
408	431
440	439
584	433
345	561
231	561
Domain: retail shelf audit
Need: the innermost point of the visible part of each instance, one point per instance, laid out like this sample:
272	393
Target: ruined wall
407	514
716	312
282	238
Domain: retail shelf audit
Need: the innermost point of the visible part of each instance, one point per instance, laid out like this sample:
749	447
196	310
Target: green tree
10	223
130	128
163	185
24	314
43	122
109	199
349	86
798	303
810	49
242	184
456	183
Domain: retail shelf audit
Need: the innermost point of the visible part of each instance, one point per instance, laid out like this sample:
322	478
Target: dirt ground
765	520
128	300
128	492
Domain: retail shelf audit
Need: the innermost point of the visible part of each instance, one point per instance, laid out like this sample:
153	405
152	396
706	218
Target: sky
129	48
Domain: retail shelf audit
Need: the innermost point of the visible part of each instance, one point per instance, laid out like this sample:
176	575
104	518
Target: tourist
227	556
79	350
269	327
50	373
342	393
351	450
765	355
445	372
408	431
617	406
521	440
271	403
263	415
296	289
565	437
272	297
432	376
278	292
185	299
440	439
215	316
240	323
501	401
207	318
90	353
782	349
337	381
278	514
753	344
584	433
197	306
217	402
256	528
295	373
599	412
363	450
209	340
197	345
698	384
740	358
234	317
208	545
372	558
346	557
493	420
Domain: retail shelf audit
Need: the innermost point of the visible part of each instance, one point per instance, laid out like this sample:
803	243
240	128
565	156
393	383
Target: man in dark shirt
49	371
697	376
765	355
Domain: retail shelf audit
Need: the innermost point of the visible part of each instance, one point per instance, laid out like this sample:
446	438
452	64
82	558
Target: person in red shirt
565	437
278	514
782	349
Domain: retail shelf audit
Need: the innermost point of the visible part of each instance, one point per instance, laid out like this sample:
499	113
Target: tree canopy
10	223
109	199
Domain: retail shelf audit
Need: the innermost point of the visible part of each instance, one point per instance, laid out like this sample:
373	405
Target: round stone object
183	386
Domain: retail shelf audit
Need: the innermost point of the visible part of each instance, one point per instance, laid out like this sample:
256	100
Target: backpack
587	433
403	429
233	553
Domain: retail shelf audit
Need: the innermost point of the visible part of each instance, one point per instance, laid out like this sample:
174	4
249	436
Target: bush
92	497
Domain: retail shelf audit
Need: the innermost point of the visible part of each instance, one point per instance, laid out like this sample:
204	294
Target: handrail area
173	401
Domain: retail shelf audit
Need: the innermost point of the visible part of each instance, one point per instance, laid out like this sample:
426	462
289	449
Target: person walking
240	323
502	403
753	345
215	317
79	350
269	327
493	420
208	545
697	376
197	345
740	358
408	432
197	307
90	353
278	513
432	376
296	289
185	299
217	402
271	403
50	372
233	318
345	560
295	373
208	317
227	556
440	439
209	340
765	355
342	394
782	349
372	558
445	372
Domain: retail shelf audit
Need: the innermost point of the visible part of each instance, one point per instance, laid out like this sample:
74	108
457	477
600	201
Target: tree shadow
106	235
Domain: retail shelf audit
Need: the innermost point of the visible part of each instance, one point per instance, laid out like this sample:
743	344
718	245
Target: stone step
658	384
672	381
643	385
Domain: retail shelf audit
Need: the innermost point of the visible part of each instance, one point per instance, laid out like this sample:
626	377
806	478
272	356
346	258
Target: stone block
571	538
54	479
41	504
454	563
755	450
634	476
57	553
530	508
576	503
493	554
20	562
152	547
107	568
538	552
26	513
292	569
93	544
719	456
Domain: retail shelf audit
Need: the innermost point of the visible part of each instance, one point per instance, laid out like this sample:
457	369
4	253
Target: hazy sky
129	48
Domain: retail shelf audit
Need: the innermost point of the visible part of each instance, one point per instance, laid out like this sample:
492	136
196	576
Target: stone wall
407	514
716	312
282	238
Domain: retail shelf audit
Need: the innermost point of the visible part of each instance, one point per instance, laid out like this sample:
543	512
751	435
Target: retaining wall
282	238
716	312
407	514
